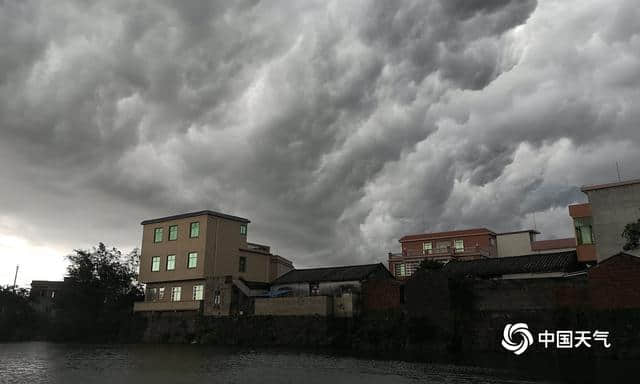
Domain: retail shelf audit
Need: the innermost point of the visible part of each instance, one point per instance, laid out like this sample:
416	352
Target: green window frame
171	262
584	231
243	229
198	292
192	260
155	264
458	245
427	248
194	230
242	264
176	293
157	235
173	232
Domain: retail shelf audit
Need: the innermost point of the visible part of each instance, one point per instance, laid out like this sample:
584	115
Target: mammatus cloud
336	127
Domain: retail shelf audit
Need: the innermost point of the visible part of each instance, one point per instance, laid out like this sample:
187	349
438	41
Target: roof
520	231
346	273
194	214
498	266
586	188
256	285
440	235
547	245
627	255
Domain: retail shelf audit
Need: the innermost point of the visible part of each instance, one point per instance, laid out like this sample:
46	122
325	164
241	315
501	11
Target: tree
430	265
632	234
97	300
17	319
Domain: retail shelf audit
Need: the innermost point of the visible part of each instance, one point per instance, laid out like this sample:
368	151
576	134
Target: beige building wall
180	248
514	244
220	245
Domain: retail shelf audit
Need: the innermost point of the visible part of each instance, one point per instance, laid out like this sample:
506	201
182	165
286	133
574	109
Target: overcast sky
334	126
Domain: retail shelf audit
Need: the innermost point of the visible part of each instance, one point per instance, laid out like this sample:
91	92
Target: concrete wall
612	209
514	244
294	306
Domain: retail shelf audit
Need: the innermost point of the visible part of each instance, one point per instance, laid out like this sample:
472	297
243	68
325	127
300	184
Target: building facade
332	291
599	223
441	246
470	244
190	262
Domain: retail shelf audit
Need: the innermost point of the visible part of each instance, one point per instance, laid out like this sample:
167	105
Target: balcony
442	254
157	306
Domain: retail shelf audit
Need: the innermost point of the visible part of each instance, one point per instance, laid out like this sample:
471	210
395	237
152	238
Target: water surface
120	364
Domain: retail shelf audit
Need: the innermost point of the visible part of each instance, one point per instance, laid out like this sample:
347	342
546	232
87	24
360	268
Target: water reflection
60	363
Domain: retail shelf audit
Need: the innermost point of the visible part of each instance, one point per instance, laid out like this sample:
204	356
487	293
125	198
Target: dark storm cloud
335	127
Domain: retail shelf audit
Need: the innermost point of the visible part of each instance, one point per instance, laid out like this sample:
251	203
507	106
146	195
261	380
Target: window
173	232
217	300
458	245
157	235
171	262
176	293
155	263
151	294
399	270
314	289
427	248
161	293
192	260
53	294
242	264
194	230
198	291
584	231
243	229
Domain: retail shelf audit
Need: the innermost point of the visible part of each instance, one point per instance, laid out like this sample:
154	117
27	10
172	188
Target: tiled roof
547	245
194	214
498	266
436	235
255	284
348	273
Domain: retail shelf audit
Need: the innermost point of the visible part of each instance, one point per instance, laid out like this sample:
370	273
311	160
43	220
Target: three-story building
198	261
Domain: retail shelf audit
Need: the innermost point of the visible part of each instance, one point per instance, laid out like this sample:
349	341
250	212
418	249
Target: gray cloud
336	127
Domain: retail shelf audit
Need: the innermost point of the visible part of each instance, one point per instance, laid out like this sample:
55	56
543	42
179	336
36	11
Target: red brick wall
381	294
481	241
615	283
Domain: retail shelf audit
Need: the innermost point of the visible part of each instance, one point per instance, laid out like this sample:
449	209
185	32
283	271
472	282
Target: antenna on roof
535	227
618	170
15	278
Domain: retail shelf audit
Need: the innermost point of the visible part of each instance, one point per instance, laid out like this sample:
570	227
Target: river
120	364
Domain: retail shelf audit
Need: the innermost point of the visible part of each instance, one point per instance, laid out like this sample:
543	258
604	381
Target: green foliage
97	300
17	318
632	234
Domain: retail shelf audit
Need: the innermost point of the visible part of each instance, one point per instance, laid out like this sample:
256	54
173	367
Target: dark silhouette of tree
97	300
17	317
430	265
632	234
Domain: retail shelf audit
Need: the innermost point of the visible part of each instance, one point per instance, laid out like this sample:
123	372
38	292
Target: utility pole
15	278
618	170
